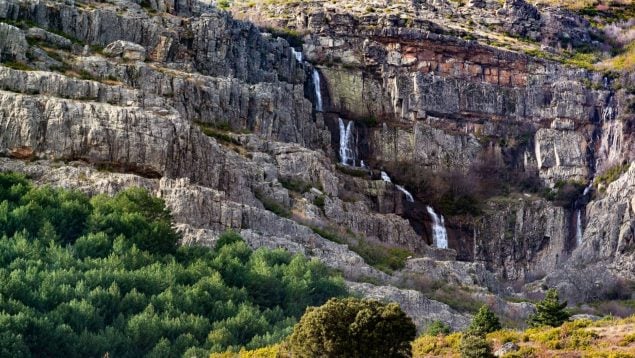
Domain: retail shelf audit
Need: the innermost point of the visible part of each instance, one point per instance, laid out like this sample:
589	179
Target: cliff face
424	100
220	121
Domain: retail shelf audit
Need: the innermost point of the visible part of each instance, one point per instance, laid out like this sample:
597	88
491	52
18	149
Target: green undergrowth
610	175
352	171
220	133
296	185
273	205
17	65
382	257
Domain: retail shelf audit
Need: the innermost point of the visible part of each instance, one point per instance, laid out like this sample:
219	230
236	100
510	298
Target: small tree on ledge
550	311
484	322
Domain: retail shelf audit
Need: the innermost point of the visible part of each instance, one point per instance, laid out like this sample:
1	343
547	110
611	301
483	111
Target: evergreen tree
550	311
485	321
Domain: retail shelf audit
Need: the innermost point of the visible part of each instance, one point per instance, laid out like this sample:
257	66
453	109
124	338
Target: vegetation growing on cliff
84	276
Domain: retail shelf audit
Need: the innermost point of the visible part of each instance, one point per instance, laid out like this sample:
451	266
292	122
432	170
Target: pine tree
550	311
485	321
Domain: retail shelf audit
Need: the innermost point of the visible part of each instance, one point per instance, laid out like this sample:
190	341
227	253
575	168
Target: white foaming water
297	54
385	177
439	234
587	189
347	153
607	114
318	92
406	193
362	164
578	228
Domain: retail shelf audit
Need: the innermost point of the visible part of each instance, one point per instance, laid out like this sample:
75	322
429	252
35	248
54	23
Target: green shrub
437	346
353	328
328	234
273	205
523	352
320	201
438	328
296	185
352	171
611	174
475	346
17	65
484	322
219	134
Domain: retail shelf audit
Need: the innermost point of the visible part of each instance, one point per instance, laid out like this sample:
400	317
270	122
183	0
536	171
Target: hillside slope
429	168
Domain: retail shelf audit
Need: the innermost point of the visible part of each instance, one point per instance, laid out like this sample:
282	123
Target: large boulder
126	50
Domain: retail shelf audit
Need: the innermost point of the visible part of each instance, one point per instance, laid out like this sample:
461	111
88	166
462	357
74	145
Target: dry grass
624	61
579	4
606	338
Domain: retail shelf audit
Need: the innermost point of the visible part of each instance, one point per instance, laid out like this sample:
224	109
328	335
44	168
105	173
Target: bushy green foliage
550	311
611	174
353	328
484	322
296	185
475	346
82	277
438	328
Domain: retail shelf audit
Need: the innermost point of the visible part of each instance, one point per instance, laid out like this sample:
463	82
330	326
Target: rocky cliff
458	149
522	135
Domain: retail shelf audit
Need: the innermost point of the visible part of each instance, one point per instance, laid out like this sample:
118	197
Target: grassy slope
610	338
583	338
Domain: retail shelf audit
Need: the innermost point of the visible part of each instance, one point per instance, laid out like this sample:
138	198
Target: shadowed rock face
217	119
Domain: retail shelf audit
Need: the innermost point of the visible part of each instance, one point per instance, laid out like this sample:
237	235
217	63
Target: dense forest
84	277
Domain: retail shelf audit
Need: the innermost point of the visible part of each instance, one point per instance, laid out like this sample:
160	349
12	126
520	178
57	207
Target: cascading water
578	228
406	193
297	54
439	234
318	92
347	153
385	177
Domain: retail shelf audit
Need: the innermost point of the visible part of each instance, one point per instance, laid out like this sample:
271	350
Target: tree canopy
353	328
82	277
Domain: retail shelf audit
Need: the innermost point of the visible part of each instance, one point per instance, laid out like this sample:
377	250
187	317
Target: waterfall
385	177
439	234
406	193
607	113
318	92
297	54
347	151
578	228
